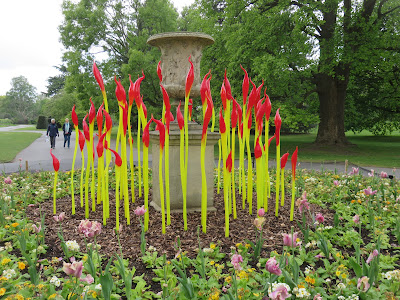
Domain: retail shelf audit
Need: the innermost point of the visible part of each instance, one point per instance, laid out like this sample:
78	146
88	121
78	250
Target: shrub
41	123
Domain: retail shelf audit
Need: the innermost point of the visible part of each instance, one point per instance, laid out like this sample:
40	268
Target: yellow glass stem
267	192
283	187
182	169
117	179
166	162
161	185
73	169
55	192
293	196
131	167
277	183
82	172
138	151
92	184
219	167
146	186
233	174
89	152
203	185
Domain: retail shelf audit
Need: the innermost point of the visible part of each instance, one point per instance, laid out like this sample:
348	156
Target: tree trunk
332	93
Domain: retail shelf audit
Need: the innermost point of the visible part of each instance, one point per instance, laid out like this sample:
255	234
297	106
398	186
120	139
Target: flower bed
343	244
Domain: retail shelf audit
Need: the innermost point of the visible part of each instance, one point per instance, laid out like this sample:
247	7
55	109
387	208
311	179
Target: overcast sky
29	40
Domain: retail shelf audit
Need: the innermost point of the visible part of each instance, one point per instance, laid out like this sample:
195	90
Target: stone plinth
194	168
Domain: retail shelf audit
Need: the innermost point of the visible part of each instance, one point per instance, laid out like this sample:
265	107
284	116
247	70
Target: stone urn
176	47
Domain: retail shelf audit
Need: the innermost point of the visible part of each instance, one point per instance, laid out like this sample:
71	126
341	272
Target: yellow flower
338	273
212	246
344	276
3	278
300	286
7	226
359	201
14	224
85	257
94	294
338	254
19	297
40	286
310	280
243	275
353	201
228	279
2	291
21	265
212	262
238	245
248	245
5	261
52	296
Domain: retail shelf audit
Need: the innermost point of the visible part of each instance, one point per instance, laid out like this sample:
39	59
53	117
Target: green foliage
11	143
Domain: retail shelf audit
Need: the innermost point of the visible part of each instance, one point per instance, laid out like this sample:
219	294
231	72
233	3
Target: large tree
347	38
20	99
114	32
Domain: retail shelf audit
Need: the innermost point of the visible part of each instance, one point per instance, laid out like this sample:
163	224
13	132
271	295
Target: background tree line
332	63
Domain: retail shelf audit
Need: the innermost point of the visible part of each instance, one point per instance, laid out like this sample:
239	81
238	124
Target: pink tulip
37	229
303	204
140	211
372	173
272	266
289	240
374	254
280	293
261	212
258	222
363	283
319	218
384	174
60	217
74	269
335	182
369	191
90	229
7	180
236	260
88	279
317	297
356	219
354	171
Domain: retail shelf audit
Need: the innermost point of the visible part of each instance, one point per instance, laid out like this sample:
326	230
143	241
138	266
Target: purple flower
280	293
372	256
140	211
320	218
37	229
303	203
236	260
356	219
289	240
384	174
354	171
7	180
60	217
261	212
90	229
363	283
272	266
369	191
74	269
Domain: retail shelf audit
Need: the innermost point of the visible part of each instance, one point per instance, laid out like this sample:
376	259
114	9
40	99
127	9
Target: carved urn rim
157	39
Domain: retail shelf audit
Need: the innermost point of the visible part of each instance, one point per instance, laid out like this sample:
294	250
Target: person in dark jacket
52	131
67	130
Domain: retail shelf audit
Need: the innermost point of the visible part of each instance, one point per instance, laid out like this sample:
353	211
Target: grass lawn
368	150
33	127
11	143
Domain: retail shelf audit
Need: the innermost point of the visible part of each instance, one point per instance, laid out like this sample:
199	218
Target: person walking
67	130
52	131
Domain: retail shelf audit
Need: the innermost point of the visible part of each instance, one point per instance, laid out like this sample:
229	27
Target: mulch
241	228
